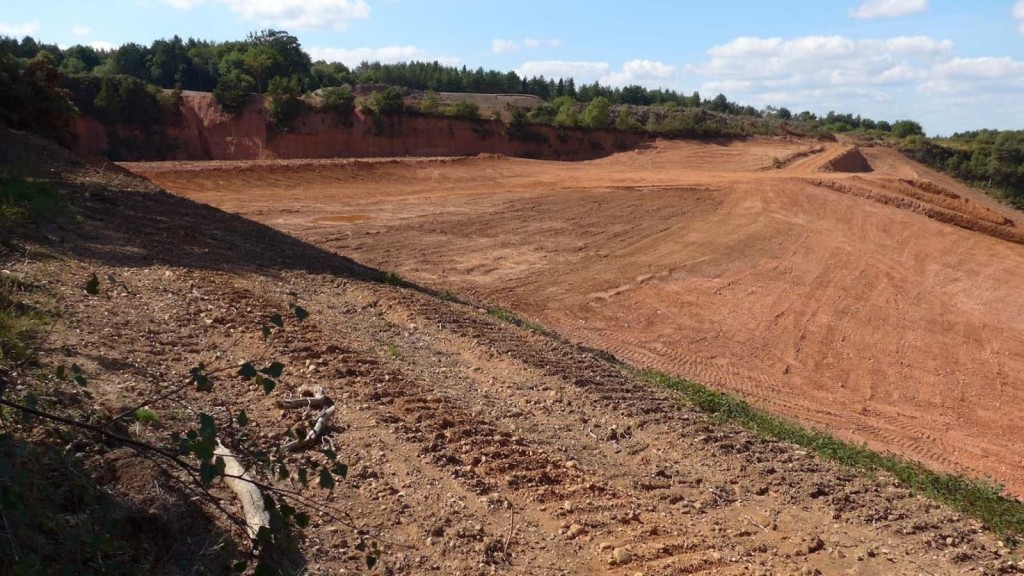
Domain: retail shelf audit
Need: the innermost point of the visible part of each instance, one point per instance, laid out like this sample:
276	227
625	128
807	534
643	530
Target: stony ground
475	447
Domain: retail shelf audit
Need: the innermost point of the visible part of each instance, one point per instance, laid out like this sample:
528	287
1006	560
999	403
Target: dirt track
884	306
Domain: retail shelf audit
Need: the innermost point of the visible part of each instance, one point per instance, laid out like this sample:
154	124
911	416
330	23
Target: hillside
474	446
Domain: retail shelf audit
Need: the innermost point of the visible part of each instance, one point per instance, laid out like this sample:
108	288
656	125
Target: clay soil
477	447
851	289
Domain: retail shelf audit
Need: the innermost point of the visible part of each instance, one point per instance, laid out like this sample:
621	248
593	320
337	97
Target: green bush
283	102
465	111
389	102
232	92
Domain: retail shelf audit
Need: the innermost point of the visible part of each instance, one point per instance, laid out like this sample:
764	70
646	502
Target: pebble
604	546
621	556
571	464
575	530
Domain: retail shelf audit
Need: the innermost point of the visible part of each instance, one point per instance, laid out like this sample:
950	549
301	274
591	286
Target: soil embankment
207	133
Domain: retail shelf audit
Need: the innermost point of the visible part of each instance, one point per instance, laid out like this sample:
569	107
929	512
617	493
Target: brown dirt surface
476	447
881	306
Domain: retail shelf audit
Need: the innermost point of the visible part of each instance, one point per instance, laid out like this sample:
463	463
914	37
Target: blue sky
952	65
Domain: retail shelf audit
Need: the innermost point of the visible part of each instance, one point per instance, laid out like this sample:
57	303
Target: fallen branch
313	435
318	401
238	480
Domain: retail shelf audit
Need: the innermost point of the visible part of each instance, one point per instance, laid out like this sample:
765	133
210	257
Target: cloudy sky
950	64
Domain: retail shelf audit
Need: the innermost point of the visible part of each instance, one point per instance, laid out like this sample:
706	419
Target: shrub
232	92
390	101
284	104
465	111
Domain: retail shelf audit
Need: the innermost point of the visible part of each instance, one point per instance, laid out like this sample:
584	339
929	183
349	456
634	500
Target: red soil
885	307
206	133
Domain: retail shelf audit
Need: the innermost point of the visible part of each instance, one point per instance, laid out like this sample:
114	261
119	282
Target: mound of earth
851	160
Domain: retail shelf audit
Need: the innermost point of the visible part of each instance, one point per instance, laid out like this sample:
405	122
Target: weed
146	416
509	317
24	201
393	351
977	498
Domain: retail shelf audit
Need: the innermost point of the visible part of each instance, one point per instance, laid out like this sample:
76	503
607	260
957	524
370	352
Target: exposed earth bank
205	132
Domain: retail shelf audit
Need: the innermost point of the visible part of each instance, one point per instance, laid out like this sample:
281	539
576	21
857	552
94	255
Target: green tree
904	128
232	91
258	61
598	113
284	104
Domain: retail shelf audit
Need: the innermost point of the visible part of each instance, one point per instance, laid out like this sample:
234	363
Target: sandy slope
884	306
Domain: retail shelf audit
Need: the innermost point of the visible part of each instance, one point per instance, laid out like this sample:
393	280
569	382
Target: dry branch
238	480
318	401
313	435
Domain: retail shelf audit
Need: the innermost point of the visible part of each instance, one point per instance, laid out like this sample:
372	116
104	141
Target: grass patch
24	202
979	499
146	416
509	317
20	323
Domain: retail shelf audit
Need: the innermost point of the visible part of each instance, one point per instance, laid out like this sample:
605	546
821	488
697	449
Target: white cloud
888	8
102	45
19	30
184	4
542	43
888	78
499	46
582	71
822	61
81	30
1018	15
385	54
648	73
502	46
292	14
645	72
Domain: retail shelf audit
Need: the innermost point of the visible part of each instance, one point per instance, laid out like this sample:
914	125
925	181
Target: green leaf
240	566
80	380
243	418
361	546
371	561
247	371
326	480
76	369
340	469
282	472
264	537
202	382
277	320
303	476
207	426
61	372
266	332
300	312
274	370
302	520
207	472
111	279
268	384
93	285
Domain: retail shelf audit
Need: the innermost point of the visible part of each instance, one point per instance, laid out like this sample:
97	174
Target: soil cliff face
206	133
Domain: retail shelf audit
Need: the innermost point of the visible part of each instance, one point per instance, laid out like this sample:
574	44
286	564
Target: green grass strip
976	498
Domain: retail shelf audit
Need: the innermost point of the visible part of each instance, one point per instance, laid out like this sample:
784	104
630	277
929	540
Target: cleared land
475	447
853	290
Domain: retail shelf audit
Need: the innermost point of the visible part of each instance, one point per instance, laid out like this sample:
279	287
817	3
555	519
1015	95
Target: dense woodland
43	87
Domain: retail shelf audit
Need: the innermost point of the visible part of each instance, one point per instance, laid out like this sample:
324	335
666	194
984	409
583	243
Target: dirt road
883	305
